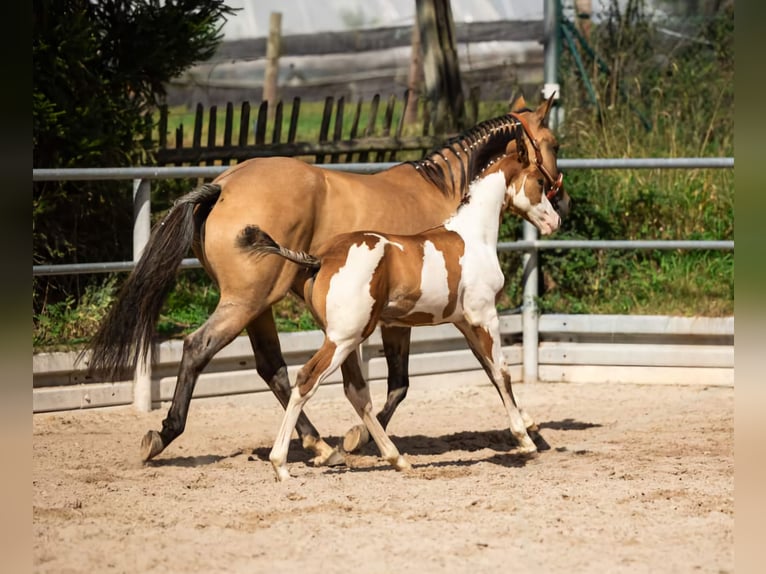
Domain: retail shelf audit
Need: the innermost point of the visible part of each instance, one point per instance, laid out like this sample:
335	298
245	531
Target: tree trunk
440	65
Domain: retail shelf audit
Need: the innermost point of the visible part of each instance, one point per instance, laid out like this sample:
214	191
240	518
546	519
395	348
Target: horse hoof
356	438
282	474
529	450
151	445
401	464
334	458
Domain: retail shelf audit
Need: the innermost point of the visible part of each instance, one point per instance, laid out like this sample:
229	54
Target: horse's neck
479	218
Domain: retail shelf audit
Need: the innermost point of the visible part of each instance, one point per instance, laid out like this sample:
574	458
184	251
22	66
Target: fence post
142	223
529	313
271	75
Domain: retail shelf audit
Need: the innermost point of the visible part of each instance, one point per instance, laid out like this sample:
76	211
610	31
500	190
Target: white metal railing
141	177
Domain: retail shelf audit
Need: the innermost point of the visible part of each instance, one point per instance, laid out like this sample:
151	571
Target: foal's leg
226	322
272	368
317	369
484	341
396	345
358	393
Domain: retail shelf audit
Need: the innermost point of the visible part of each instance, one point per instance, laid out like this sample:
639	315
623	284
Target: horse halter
554	184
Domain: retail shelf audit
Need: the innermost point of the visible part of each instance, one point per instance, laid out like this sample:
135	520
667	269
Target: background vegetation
684	89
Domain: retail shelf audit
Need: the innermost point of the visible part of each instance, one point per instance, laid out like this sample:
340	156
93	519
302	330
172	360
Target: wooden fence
379	140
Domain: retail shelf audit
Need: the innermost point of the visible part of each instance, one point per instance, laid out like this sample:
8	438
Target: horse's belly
423	293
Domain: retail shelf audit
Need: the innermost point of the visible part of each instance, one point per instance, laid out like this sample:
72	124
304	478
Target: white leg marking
360	399
278	455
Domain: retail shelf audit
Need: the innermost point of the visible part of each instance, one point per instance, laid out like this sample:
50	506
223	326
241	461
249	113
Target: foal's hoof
151	445
401	464
333	458
356	438
527	450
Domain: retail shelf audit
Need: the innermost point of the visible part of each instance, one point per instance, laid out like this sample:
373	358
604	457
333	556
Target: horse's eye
541	182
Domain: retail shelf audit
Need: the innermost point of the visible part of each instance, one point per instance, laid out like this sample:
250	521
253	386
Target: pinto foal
447	274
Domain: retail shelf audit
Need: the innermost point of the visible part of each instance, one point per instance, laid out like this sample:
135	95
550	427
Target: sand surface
638	478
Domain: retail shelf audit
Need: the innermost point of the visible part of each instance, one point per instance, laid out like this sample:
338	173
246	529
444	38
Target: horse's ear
518	104
545	109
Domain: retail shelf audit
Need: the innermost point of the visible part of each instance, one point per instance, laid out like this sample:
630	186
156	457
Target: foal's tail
253	238
126	333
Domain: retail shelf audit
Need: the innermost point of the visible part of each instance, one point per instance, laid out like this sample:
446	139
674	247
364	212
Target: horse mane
482	144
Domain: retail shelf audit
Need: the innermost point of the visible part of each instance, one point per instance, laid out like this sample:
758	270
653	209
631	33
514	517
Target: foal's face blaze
549	148
525	196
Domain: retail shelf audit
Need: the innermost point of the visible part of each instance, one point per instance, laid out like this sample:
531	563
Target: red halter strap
554	184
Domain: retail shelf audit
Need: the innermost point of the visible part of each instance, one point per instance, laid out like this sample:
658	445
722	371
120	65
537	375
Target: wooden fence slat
338	131
387	119
227	128
400	125
244	123
354	127
213	119
163	126
370	129
198	119
260	123
277	133
294	113
179	143
325	126
426	122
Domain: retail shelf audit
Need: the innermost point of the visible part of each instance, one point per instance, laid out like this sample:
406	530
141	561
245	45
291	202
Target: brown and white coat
447	274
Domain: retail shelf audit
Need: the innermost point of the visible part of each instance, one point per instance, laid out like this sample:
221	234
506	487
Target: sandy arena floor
638	479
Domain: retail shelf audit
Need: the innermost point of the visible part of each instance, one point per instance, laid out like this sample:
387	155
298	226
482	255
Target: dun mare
447	274
303	206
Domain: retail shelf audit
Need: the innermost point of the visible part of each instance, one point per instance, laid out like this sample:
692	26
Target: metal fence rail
531	245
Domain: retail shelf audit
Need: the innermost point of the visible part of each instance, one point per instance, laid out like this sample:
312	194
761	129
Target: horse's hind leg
396	345
271	366
358	393
324	362
226	322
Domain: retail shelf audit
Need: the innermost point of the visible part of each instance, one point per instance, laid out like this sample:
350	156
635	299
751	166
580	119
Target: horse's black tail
126	333
253	238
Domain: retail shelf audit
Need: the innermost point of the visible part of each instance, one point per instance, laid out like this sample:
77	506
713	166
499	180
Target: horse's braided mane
481	144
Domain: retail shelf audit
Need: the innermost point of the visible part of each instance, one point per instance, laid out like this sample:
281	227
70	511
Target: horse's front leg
272	368
396	346
358	393
484	341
